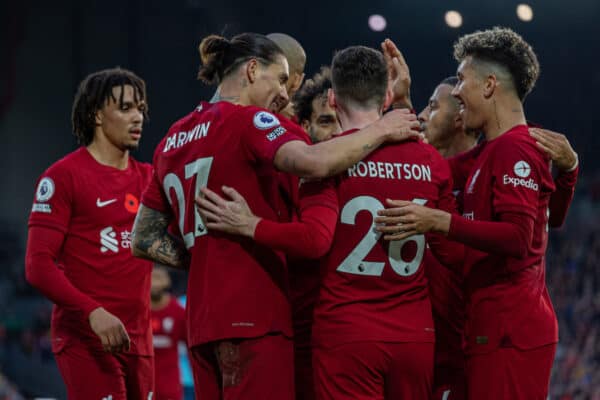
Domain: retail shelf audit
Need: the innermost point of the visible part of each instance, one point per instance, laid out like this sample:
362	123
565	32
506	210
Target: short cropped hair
359	77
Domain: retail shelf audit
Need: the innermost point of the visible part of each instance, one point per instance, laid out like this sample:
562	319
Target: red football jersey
373	290
236	288
446	293
446	288
508	302
303	273
94	205
168	329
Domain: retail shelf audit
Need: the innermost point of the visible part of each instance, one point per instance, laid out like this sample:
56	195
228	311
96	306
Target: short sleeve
154	197
263	134
53	200
520	173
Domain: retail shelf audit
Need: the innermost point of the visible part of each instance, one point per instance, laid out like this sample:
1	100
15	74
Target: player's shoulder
259	118
420	150
518	141
69	164
176	305
516	135
144	168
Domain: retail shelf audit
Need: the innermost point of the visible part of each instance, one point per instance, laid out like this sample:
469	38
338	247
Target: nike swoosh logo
104	203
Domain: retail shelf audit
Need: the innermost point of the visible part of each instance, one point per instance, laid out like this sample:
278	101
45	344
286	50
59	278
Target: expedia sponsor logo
276	133
516	182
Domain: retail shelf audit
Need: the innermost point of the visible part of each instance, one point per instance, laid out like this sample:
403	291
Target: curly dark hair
506	48
313	88
94	92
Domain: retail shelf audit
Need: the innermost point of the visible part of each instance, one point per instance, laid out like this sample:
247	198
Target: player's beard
132	146
156	296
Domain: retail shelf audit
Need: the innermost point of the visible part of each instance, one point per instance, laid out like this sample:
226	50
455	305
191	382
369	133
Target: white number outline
355	262
201	169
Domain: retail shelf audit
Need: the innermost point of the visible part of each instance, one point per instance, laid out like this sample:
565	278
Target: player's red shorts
449	383
259	368
94	374
374	371
510	373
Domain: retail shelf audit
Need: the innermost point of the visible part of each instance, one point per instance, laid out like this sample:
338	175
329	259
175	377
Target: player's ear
331	99
387	102
298	79
489	85
98	117
305	125
251	70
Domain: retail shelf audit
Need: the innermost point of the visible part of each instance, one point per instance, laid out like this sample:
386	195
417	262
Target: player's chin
132	145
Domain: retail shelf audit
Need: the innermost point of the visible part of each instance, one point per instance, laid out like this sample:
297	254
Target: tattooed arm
151	240
333	156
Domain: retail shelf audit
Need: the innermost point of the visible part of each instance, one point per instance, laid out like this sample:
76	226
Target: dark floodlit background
47	47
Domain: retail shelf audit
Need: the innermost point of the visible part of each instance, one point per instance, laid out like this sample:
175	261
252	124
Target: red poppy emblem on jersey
131	203
155	324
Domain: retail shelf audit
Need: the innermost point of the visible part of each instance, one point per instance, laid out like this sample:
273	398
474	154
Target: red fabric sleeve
510	236
41	271
263	134
449	253
154	197
561	198
312	235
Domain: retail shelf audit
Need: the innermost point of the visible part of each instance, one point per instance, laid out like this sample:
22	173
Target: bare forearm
328	158
152	241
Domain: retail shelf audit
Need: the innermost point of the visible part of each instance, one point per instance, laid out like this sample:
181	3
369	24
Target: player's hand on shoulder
110	330
399	125
557	146
230	216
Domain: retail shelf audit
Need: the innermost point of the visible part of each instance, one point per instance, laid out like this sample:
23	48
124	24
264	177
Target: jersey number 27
200	169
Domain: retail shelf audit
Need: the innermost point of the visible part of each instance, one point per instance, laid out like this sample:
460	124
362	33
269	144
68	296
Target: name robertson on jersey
386	170
178	139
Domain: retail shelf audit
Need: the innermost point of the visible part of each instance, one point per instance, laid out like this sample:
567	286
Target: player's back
372	289
236	287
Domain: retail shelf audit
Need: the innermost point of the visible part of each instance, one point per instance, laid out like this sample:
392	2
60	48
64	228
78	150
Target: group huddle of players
332	252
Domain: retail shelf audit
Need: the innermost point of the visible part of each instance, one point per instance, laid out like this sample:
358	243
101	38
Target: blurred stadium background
47	47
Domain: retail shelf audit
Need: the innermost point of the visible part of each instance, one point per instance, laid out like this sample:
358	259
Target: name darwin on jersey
178	139
386	170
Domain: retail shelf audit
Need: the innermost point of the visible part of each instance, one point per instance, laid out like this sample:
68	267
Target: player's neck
357	119
227	91
504	114
460	143
160	303
106	153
